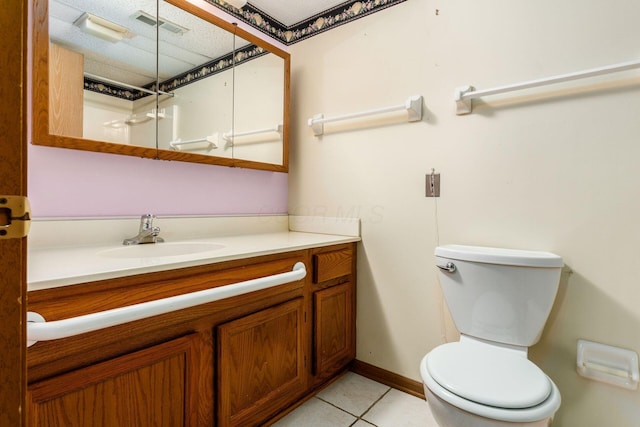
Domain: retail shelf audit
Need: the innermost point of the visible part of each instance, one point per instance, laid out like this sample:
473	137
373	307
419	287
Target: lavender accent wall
70	183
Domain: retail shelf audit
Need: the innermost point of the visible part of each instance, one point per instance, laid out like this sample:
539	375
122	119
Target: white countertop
50	267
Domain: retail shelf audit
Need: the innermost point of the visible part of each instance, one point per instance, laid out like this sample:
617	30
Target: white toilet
499	300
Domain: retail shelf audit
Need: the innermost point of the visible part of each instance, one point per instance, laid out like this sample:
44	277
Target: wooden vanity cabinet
333	329
261	364
157	386
334	311
240	361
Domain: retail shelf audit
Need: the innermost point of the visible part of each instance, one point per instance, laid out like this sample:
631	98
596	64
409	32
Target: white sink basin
158	250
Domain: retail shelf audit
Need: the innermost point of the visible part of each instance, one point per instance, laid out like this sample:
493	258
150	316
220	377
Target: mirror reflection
151	74
197	69
258	131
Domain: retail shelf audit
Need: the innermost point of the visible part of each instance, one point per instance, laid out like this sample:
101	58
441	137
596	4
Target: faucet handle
146	222
155	231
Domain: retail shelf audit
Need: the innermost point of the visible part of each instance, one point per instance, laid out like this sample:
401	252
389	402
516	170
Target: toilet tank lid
501	256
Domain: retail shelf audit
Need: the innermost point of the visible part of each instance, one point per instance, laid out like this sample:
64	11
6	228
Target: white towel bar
228	136
413	105
210	143
464	94
38	329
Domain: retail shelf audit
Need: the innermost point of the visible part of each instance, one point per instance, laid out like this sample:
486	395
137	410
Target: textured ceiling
133	59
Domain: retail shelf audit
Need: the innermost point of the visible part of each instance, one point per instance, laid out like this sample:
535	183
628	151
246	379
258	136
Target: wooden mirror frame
40	99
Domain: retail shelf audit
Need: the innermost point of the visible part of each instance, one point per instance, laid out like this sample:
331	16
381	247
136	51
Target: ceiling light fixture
100	27
238	4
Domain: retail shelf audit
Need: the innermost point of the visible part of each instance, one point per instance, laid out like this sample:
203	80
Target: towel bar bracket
316	126
463	105
33	317
414	108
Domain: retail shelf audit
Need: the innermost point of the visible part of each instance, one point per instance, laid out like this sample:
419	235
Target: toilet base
447	415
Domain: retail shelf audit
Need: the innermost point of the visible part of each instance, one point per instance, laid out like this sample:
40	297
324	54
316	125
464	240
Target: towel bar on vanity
38	329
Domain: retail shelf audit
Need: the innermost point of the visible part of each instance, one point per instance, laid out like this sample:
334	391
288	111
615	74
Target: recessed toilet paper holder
608	364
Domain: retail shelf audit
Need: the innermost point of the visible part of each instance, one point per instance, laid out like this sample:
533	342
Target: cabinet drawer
331	265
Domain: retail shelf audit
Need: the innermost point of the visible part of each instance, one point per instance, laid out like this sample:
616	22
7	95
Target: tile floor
355	401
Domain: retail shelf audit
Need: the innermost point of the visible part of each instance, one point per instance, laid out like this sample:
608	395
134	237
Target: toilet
499	300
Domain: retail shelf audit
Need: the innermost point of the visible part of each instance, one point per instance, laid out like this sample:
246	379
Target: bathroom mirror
165	80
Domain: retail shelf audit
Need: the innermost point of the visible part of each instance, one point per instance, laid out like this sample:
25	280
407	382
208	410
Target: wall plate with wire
433	184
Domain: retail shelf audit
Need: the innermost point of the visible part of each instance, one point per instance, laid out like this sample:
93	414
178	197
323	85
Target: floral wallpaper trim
208	69
324	21
216	66
110	89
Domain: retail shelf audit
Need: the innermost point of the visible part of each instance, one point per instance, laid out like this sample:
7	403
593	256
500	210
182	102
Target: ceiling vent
148	19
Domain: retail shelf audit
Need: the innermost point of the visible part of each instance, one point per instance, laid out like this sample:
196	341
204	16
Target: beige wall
555	168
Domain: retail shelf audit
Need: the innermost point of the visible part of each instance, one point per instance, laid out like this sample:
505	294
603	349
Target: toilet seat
489	375
466	349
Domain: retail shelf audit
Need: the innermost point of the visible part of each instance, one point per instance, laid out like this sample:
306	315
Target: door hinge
15	217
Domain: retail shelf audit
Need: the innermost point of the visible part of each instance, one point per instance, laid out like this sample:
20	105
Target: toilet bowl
499	300
471	383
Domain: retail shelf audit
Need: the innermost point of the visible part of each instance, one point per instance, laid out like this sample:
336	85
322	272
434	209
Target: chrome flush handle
448	267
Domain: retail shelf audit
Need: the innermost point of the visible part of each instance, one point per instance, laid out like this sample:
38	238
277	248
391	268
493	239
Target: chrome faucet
147	233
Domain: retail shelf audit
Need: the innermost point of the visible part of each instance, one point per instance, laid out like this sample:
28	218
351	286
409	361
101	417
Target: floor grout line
358	417
336	406
374	404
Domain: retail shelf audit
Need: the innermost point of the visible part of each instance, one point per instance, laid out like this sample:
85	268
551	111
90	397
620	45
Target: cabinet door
333	335
66	87
151	387
260	364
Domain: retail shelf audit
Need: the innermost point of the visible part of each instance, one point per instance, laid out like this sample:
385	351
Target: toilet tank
499	295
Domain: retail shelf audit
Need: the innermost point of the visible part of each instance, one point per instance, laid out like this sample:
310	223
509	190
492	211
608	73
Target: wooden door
157	386
261	366
333	329
13	165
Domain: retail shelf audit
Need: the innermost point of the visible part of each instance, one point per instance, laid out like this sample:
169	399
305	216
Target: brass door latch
15	217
